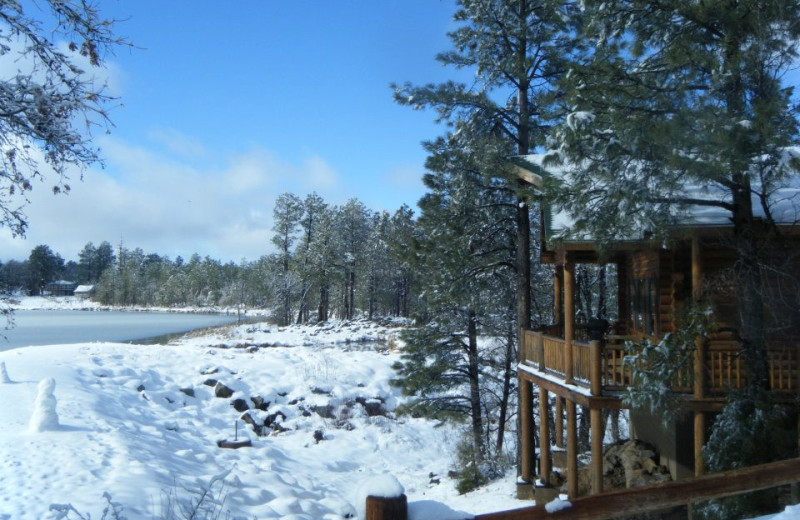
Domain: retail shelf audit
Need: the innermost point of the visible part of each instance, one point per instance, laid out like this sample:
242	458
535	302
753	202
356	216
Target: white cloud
405	177
178	143
319	174
163	205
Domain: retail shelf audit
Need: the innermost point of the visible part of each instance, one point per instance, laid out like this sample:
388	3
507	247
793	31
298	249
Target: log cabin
571	365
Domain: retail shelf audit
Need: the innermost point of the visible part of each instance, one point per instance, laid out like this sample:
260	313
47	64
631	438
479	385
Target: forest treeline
329	261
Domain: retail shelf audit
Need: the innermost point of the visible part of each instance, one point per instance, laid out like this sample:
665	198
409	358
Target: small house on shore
573	364
84	291
60	288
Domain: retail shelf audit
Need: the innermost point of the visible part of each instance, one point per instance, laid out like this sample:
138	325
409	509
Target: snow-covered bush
750	430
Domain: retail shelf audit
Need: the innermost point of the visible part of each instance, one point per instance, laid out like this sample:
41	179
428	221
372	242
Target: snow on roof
784	201
84	289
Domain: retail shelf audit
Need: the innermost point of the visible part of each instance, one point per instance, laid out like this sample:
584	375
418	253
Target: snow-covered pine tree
286	215
515	48
467	278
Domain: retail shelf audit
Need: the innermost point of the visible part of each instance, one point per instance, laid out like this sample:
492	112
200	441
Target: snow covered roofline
784	200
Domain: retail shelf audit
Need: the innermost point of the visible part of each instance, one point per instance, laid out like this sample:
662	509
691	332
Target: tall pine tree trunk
749	286
473	370
508	378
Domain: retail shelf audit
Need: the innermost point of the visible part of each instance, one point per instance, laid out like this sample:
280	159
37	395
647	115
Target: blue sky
225	105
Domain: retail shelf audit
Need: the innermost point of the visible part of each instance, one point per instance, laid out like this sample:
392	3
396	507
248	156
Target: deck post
623	304
391	508
595	417
558	304
559	422
572	450
540	351
569	320
699	417
699	362
598	431
544	436
794	489
595	374
526	427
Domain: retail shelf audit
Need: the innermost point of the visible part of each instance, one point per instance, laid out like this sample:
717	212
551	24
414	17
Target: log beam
628	502
598	431
544	436
526	430
569	320
391	508
572	450
559	421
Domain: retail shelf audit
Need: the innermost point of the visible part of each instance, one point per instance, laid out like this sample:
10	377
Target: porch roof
537	169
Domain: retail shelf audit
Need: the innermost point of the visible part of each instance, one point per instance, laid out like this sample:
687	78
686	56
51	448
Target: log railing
627	502
723	364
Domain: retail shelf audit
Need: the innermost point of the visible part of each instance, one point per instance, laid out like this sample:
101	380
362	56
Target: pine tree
403	236
313	209
286	215
353	229
44	266
515	48
467	270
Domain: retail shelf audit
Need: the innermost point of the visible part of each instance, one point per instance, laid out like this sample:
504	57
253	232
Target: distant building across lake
61	288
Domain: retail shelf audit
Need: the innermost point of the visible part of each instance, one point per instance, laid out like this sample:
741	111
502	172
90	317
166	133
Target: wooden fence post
383	508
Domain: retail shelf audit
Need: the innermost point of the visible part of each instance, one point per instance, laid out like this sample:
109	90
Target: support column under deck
559	421
596	418
572	450
526	430
544	436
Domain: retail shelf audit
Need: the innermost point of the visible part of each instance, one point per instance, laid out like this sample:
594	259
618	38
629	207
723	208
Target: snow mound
44	416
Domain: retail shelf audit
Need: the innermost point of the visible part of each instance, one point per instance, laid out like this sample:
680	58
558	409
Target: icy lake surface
55	327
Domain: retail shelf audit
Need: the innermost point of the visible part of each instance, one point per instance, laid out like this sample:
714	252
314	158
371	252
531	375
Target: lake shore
53	303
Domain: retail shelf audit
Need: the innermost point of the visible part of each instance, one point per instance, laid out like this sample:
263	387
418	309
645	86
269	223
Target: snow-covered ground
142	424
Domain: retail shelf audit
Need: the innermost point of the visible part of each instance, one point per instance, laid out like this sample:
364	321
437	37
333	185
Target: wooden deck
722	365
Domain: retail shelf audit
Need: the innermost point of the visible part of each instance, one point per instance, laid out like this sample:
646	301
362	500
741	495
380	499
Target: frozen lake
58	327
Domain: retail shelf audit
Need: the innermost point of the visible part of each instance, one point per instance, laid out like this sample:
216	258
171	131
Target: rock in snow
44	416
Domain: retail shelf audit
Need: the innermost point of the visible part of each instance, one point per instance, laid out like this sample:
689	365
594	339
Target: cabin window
644	305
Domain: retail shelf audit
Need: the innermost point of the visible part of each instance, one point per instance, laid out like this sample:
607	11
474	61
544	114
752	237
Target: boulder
220	390
240	405
257	428
260	403
373	406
